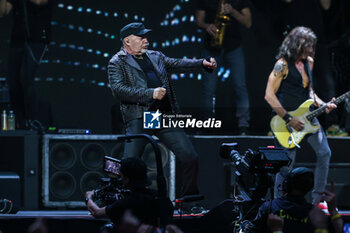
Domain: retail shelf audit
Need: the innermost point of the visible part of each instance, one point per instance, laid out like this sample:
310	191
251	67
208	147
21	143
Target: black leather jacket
128	81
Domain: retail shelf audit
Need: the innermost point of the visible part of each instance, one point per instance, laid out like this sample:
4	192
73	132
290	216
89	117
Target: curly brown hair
296	44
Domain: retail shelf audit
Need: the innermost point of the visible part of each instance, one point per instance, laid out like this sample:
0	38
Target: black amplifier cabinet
10	193
20	154
73	164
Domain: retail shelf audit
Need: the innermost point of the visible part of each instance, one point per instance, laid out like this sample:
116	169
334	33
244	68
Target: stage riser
59	224
21	154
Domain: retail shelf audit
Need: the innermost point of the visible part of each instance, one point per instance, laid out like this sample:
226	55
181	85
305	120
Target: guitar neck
322	109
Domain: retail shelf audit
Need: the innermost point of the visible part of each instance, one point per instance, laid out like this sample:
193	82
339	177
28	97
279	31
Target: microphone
155	104
209	70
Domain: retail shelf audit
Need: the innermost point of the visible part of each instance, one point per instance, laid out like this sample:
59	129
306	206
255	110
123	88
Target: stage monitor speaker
73	164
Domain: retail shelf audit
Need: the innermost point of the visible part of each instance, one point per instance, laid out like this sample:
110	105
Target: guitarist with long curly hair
289	87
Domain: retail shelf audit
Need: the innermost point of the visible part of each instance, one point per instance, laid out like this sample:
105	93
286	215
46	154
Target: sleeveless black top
292	92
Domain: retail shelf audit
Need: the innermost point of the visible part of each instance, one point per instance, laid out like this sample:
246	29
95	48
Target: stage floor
81	221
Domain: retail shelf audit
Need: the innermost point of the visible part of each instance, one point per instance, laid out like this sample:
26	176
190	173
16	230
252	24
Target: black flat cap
135	28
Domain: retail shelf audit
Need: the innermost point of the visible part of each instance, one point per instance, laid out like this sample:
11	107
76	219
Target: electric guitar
289	137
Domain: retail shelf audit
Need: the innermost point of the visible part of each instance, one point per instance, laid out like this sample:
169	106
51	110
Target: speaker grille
90	181
92	156
73	164
150	157
62	185
62	156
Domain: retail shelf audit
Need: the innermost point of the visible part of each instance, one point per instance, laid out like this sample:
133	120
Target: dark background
73	78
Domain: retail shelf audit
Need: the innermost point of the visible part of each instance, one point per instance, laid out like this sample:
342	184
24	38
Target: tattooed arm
280	71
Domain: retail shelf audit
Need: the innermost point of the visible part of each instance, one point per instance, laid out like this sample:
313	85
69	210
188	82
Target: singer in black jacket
141	79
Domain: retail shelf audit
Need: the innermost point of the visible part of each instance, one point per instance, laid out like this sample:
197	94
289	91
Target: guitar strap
309	73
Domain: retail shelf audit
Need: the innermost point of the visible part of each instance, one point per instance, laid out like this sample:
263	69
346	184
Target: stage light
185	38
226	75
174	77
221	71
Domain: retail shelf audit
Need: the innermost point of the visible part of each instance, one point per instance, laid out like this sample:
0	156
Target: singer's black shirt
31	22
153	82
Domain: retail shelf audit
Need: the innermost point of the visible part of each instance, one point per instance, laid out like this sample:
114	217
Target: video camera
253	167
264	160
112	188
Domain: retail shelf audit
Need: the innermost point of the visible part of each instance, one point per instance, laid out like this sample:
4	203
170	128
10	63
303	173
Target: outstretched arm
330	198
185	65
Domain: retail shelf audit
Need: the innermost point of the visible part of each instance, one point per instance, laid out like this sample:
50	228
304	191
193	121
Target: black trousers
178	142
21	73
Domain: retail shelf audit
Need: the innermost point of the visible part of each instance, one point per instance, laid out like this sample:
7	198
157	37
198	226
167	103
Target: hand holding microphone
209	64
159	93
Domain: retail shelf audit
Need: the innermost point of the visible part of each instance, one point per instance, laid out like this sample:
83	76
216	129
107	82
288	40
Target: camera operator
290	213
140	202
